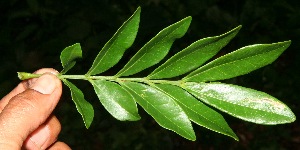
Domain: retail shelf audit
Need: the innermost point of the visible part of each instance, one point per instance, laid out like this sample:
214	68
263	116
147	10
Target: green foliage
117	101
175	103
162	108
244	103
84	107
196	110
193	56
156	49
69	55
113	50
237	63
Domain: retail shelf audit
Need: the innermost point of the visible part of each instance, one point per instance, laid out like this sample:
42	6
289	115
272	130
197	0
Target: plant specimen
174	104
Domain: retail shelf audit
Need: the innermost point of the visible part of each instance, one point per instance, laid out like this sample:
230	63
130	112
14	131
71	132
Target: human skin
26	119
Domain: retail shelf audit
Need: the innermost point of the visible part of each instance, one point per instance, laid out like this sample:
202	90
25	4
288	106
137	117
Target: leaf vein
158	111
161	41
190	109
231	62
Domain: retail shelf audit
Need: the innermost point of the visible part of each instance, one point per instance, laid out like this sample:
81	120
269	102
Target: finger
26	111
59	146
22	87
44	136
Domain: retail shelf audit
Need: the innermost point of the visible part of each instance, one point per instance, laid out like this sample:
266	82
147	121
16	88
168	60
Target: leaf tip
283	44
238	28
235	30
138	10
88	124
288	42
193	139
291	117
234	136
189	18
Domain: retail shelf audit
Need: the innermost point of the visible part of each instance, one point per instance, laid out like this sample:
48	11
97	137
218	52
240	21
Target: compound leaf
174	104
83	107
193	56
156	49
197	111
162	108
239	62
243	103
117	101
114	49
69	56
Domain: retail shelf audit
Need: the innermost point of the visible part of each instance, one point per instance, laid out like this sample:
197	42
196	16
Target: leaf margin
87	118
127	69
192	77
69	63
203	49
130	116
225	88
107	48
183	106
191	136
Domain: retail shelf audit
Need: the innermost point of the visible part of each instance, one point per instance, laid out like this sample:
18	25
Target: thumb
26	111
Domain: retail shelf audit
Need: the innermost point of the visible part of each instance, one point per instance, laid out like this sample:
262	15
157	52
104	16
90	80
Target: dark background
33	33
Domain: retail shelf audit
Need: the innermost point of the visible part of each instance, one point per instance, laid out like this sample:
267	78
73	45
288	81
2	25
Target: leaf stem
25	75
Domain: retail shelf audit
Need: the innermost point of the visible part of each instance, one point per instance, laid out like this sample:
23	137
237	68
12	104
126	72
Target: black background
33	33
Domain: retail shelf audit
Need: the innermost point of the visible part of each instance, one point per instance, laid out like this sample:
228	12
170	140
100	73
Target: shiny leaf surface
166	112
243	103
117	101
83	107
193	56
156	49
239	62
114	49
197	111
69	56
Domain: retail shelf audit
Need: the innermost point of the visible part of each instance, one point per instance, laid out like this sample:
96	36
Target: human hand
25	114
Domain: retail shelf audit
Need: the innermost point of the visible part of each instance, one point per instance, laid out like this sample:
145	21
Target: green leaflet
243	103
117	101
197	111
162	108
114	49
83	107
69	56
193	56
239	62
156	49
